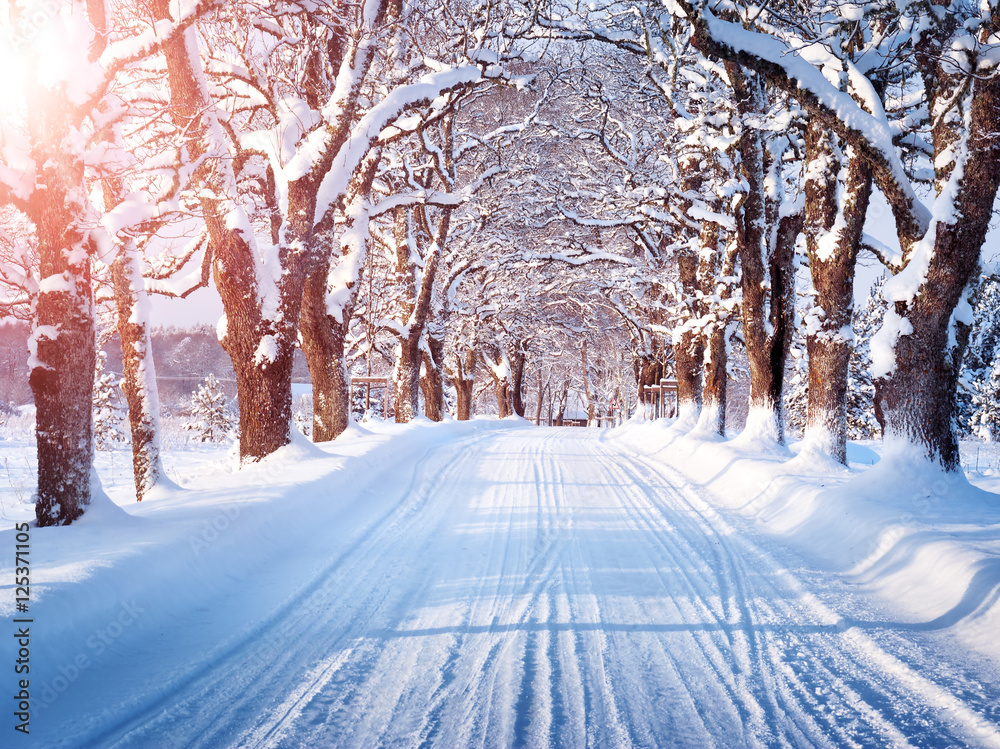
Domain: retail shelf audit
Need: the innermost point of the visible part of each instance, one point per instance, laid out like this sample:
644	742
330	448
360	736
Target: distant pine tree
304	415
797	389
985	419
861	421
211	420
109	414
978	368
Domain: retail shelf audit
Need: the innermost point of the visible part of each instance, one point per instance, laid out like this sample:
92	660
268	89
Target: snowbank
927	542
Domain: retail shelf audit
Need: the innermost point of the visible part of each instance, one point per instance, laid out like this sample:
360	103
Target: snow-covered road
543	587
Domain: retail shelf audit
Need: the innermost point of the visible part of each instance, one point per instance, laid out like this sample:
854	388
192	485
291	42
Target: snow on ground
490	584
927	541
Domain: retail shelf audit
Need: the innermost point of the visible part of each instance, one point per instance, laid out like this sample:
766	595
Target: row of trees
265	140
787	117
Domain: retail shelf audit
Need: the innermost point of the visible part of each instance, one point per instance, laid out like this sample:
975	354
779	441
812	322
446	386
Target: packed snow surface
491	584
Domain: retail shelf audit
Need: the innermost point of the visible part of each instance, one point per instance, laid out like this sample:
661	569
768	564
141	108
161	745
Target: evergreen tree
861	421
109	417
978	370
211	419
304	415
985	419
797	387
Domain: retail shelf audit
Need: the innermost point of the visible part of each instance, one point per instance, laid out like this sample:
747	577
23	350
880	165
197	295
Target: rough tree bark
648	373
323	336
688	340
463	378
139	374
62	342
713	269
517	381
63	338
322	330
432	383
833	230
766	243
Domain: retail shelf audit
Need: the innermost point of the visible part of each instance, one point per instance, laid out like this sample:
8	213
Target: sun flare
47	45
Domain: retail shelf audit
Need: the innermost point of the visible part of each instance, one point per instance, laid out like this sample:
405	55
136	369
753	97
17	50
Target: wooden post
382	382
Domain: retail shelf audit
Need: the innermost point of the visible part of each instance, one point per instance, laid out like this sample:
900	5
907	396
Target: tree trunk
139	372
917	396
541	397
561	406
499	368
832	259
766	244
260	341
463	378
716	352
322	330
63	337
416	310
406	381
502	389
517	382
62	369
322	339
588	391
649	372
432	382
689	346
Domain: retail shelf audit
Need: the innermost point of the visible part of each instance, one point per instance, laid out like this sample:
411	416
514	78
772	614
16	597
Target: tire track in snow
756	616
228	682
875	683
547	589
732	645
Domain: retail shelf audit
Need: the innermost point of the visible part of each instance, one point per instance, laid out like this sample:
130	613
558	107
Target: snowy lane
549	589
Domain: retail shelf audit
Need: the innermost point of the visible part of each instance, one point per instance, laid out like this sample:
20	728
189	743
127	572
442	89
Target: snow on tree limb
786	67
334	184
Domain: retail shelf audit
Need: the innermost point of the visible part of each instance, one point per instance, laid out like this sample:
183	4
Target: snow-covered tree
862	421
303	415
211	418
951	49
63	64
284	105
109	417
859	400
985	420
976	396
